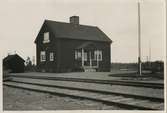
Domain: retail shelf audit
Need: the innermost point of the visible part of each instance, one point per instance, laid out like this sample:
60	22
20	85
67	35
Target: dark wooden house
14	63
65	47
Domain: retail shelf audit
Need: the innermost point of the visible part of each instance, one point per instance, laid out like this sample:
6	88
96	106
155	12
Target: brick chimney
74	20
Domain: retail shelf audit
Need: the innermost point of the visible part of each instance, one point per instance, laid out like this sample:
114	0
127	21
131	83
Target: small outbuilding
14	63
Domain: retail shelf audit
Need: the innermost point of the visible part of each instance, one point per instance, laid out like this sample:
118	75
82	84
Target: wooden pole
90	59
82	57
139	41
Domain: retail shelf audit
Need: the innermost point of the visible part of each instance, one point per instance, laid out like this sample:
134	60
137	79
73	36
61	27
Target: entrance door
94	60
86	58
89	59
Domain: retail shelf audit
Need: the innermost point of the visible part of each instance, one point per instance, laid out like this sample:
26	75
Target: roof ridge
68	23
72	31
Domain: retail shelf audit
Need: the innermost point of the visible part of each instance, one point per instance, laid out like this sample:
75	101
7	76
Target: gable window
98	55
42	56
46	37
51	56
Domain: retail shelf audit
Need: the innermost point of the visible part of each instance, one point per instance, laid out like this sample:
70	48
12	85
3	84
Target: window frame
43	56
78	55
46	38
51	56
98	55
85	56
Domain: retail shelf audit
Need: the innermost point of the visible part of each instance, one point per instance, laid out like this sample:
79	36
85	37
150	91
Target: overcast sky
21	20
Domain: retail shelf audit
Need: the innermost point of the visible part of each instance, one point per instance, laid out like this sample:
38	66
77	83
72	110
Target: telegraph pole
139	41
149	50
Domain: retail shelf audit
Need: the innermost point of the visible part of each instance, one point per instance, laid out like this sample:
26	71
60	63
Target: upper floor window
46	37
42	56
51	56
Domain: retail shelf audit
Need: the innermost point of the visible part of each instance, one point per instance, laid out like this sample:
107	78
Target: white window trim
42	56
95	55
85	56
77	55
46	37
51	56
98	53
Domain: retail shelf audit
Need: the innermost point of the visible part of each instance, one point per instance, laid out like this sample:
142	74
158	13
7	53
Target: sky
21	21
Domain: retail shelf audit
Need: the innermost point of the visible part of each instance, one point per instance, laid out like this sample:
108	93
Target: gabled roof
10	57
73	31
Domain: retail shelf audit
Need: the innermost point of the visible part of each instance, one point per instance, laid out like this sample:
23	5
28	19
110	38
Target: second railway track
112	82
122	100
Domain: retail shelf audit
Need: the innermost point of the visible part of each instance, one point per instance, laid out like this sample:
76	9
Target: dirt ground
19	99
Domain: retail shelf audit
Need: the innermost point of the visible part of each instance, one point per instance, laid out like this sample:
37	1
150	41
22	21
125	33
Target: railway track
122	100
112	82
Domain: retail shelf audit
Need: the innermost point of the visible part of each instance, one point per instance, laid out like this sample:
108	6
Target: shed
14	63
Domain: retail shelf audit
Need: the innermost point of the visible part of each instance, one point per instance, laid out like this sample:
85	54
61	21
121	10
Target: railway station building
66	47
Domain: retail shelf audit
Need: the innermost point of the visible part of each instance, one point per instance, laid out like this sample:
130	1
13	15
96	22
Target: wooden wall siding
48	65
15	64
67	56
64	52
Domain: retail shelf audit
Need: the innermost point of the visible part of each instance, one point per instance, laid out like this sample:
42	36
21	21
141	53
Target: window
77	54
85	56
42	56
98	55
51	56
46	37
95	55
